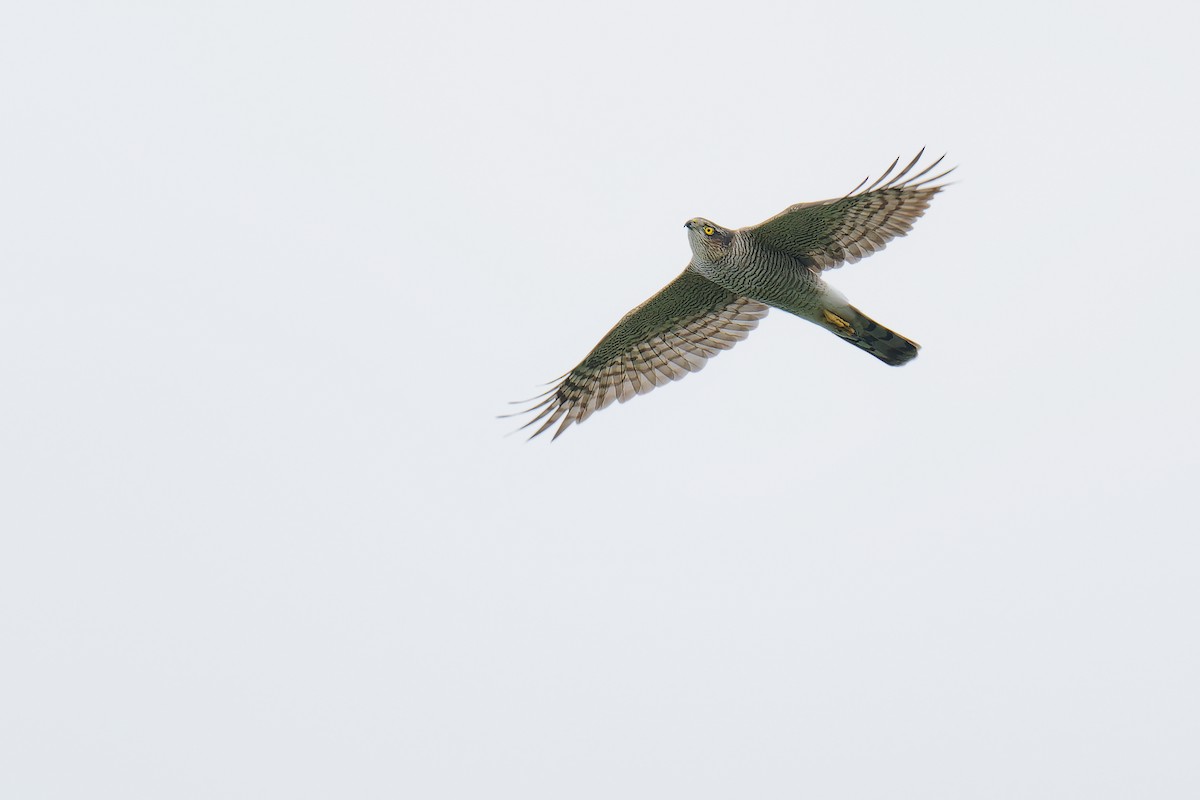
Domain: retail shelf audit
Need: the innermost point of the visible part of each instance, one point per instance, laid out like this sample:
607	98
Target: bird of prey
735	276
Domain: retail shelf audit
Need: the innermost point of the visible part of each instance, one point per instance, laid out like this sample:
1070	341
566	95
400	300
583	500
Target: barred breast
767	276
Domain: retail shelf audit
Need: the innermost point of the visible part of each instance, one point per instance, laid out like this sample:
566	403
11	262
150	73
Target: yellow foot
838	322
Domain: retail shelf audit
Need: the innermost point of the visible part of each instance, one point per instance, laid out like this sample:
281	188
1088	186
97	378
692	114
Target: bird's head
710	242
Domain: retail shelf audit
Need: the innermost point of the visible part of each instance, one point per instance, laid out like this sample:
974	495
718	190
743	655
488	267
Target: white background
268	271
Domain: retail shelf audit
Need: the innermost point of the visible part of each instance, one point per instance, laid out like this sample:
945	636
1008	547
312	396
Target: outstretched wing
673	333
828	233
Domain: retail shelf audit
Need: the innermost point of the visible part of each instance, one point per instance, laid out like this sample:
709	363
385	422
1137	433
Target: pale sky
269	271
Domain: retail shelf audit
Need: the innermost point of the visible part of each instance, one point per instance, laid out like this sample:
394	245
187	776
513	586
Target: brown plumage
732	280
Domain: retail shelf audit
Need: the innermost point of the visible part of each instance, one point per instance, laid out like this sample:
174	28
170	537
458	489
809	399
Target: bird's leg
837	322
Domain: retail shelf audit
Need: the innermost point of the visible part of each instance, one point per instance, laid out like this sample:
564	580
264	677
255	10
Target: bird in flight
736	276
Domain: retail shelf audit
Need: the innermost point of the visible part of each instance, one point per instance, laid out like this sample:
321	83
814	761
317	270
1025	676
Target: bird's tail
866	334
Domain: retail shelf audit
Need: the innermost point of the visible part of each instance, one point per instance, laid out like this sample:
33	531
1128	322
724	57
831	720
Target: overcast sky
269	271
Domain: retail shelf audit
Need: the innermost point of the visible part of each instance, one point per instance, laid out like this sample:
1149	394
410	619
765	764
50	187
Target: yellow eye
709	230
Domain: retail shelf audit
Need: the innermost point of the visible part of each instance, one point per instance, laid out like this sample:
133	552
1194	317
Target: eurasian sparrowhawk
733	279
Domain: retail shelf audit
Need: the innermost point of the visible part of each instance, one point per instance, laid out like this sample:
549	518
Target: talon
835	320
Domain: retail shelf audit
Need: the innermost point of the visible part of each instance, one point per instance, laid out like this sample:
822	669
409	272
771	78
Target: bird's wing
673	333
829	233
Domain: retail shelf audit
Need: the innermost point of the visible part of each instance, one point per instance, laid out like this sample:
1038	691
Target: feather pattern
673	333
733	279
828	233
